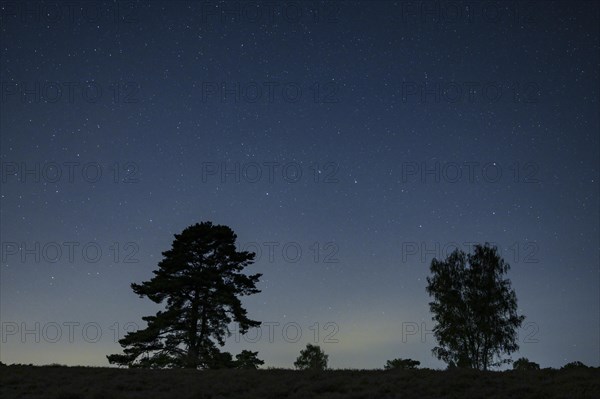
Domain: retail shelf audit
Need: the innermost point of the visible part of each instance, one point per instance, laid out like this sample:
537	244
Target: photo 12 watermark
289	332
293	252
269	171
470	92
69	92
471	172
267	92
413	331
68	252
71	172
70	332
424	252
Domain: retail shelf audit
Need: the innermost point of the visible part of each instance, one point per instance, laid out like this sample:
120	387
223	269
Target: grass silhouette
57	382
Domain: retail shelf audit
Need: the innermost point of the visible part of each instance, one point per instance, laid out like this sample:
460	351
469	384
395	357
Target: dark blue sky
347	143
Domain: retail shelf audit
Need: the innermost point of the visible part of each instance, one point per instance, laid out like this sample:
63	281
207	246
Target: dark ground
55	382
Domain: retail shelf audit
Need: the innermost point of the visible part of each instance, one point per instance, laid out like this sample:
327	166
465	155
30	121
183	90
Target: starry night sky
346	143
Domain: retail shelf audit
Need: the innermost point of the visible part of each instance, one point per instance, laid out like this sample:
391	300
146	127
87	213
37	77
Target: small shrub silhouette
248	360
402	364
311	358
524	364
574	366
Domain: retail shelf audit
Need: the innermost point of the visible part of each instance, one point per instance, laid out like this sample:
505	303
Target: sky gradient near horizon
347	143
